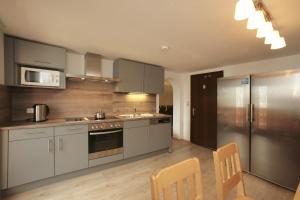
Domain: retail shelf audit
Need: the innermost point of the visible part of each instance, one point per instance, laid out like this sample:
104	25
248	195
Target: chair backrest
228	171
183	177
297	195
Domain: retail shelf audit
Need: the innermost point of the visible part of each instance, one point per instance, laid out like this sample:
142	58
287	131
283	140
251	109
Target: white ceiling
201	33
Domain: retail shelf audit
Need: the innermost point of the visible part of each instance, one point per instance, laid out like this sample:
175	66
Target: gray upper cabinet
75	65
138	77
30	159
37	54
130	74
154	79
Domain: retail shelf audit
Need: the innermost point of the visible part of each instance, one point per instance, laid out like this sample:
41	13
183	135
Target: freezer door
275	144
233	115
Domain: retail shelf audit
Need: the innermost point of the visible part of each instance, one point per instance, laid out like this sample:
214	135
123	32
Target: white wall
175	80
262	66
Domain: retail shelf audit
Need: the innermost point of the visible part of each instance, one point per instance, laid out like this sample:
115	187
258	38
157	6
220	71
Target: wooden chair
229	172
297	195
183	177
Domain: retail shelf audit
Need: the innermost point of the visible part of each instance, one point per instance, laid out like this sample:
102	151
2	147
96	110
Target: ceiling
201	34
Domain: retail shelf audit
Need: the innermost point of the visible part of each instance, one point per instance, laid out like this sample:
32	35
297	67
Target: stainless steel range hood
91	67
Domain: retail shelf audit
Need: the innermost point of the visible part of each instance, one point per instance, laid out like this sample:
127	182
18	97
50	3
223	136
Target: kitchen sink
76	119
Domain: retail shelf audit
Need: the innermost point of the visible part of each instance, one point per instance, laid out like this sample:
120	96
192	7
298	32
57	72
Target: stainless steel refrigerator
261	114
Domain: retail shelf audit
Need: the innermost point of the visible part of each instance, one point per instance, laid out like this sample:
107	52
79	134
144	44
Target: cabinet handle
193	112
50	145
60	144
44	62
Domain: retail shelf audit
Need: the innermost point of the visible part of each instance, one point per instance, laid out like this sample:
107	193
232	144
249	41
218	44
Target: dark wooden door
204	109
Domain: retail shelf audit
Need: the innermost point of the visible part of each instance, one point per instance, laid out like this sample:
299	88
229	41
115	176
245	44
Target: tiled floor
131	181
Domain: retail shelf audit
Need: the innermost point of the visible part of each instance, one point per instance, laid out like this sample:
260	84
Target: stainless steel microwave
39	77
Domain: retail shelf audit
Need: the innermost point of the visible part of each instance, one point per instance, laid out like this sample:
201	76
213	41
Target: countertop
62	122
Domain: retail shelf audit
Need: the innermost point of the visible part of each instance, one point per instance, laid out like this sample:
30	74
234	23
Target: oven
105	139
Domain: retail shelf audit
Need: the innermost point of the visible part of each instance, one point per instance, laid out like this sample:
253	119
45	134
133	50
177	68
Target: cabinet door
136	141
160	136
154	79
30	160
71	153
131	75
37	54
75	66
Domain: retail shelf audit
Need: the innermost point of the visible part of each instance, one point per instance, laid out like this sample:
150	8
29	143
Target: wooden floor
131	181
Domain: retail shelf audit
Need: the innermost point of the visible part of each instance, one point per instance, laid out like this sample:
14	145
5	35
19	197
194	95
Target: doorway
204	109
166	100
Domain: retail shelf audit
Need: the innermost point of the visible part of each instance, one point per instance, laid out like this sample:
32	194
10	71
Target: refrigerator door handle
193	112
251	112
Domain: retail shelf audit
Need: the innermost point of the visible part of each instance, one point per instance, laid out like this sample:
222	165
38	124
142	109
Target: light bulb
244	9
271	37
278	43
256	20
264	30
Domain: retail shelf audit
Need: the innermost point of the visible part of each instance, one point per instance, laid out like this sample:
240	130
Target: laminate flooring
130	181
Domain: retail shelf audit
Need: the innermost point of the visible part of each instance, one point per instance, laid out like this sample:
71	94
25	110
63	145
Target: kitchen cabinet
30	159
130	74
154	79
159	136
71	148
138	77
75	65
38	54
136	138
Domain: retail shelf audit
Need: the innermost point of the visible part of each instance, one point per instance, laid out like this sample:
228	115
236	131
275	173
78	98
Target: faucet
134	108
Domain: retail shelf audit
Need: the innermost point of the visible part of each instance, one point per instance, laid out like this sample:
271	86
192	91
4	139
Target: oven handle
105	132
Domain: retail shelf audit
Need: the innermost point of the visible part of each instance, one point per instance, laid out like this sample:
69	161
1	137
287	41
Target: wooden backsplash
4	105
81	98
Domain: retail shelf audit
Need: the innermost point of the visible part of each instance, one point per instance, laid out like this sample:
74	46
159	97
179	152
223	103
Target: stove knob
101	126
92	127
97	126
118	125
111	126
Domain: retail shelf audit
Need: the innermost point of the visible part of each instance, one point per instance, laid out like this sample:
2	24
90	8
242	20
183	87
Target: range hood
90	66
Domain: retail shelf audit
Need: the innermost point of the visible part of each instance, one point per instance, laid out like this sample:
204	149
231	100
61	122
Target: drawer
30	133
136	123
71	129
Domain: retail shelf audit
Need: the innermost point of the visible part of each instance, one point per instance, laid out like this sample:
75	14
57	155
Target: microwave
40	77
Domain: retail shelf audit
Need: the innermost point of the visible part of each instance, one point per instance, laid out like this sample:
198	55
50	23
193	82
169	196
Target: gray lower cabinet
159	136
71	153
30	160
136	141
71	148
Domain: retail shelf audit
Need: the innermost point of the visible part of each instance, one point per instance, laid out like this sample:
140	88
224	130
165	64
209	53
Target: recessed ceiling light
164	47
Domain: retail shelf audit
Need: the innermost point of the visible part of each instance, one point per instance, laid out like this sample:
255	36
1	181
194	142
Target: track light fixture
259	18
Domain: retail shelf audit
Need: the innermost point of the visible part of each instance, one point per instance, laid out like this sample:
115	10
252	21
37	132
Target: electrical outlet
29	110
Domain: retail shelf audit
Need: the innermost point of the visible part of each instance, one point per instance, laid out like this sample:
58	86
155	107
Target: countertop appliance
40	112
30	76
261	113
105	139
99	115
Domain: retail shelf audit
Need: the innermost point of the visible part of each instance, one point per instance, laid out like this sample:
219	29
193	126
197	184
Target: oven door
39	77
105	143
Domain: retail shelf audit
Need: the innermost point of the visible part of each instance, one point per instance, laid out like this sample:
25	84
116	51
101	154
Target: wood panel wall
5	112
80	98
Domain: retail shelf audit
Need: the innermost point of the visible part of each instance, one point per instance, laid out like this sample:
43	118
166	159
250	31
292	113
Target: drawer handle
74	129
31	133
44	62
